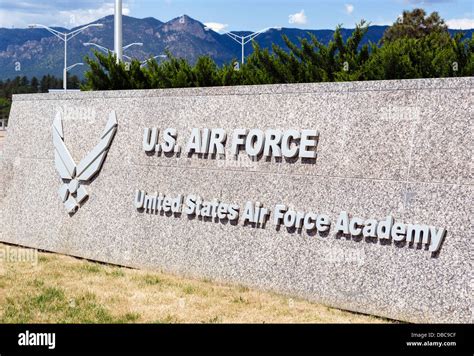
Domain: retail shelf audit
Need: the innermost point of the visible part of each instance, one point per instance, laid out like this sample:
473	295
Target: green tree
206	73
73	82
106	74
436	55
414	24
310	61
416	46
34	84
21	85
5	105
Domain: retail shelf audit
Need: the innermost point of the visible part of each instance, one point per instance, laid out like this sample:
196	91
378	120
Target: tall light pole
118	49
65	36
243	40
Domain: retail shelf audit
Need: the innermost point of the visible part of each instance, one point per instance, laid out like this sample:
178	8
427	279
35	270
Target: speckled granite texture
390	147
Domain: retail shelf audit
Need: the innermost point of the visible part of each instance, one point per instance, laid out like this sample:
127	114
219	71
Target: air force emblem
72	193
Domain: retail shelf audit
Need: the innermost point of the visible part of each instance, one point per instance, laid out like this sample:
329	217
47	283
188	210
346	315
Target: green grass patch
51	304
43	259
152	280
189	289
118	272
91	268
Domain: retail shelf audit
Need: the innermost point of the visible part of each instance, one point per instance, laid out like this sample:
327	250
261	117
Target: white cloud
349	8
216	26
79	17
69	18
460	24
298	19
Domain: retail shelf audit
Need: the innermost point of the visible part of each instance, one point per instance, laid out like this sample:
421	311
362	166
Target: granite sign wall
354	195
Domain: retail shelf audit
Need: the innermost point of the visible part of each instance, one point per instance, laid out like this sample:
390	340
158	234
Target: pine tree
414	24
416	46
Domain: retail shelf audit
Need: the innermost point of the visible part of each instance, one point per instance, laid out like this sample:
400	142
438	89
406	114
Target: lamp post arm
73	34
102	48
132	44
70	36
235	37
58	34
145	62
252	36
73	66
255	34
79	30
249	40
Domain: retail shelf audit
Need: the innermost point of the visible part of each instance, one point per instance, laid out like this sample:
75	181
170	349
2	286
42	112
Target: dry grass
62	289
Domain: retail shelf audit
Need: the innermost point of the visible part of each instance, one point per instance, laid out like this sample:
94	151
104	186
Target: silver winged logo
72	193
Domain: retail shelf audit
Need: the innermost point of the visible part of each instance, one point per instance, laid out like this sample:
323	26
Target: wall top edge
380	85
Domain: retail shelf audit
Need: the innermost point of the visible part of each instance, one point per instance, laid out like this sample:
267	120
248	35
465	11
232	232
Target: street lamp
106	50
132	44
243	40
74	65
65	36
145	62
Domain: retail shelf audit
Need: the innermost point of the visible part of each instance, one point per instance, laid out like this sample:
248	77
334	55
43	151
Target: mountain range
36	52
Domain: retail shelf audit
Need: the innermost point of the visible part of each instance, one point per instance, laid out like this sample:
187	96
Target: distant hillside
38	52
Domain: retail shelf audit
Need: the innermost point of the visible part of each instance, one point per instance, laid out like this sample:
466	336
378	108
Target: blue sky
235	14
